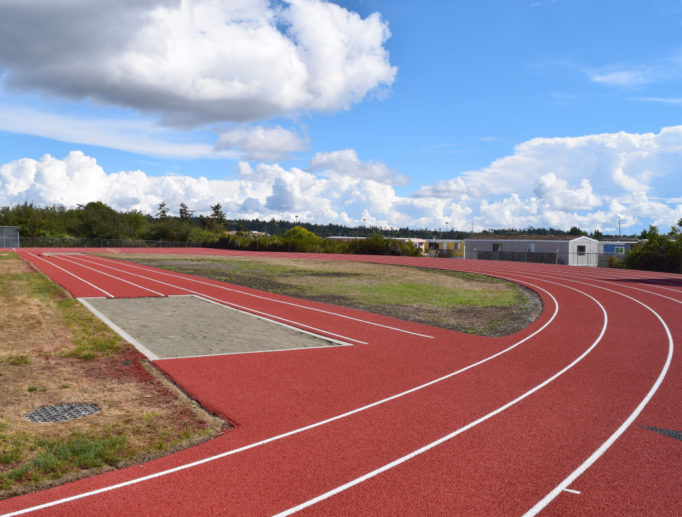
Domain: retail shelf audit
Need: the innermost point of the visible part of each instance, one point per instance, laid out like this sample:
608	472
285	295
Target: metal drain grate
61	412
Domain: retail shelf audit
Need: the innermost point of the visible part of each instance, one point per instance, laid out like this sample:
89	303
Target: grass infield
465	302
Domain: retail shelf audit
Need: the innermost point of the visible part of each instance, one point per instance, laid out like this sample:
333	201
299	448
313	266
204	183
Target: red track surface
508	424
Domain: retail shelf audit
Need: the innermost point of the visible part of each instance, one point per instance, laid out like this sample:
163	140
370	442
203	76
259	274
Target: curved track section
414	420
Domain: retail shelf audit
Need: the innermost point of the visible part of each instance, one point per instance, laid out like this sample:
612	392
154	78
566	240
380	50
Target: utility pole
618	226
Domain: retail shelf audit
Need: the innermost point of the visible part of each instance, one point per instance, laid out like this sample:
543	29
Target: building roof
528	238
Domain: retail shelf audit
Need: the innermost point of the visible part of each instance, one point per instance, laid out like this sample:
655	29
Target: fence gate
9	237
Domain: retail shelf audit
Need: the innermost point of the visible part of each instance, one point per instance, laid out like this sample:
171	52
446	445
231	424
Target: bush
658	252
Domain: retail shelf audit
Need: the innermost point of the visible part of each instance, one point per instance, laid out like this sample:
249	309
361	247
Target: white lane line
73	275
111	276
293	432
428	447
130	339
628	421
609	282
246	309
330	347
576	492
268	320
157	271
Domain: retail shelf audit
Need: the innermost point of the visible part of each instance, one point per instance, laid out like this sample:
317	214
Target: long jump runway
578	414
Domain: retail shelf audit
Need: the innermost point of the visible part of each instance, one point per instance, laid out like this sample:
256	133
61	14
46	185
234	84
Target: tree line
95	220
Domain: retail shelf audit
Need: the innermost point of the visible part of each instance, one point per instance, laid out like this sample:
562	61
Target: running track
414	420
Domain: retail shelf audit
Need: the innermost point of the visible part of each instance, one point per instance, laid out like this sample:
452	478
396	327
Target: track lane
82	281
542	444
395	479
73	283
362	432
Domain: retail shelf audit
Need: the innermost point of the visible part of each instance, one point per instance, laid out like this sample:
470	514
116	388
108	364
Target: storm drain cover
61	412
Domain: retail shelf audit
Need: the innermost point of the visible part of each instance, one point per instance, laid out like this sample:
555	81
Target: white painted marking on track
297	329
166	273
73	275
330	347
246	309
576	492
428	447
611	282
295	431
130	339
628	421
112	276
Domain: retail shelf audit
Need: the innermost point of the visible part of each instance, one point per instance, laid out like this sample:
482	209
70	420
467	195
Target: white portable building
573	251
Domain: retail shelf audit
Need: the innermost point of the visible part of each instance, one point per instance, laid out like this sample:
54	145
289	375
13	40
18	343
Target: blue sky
489	113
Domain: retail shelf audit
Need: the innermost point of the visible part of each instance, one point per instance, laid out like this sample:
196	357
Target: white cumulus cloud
347	163
555	192
588	181
261	143
196	61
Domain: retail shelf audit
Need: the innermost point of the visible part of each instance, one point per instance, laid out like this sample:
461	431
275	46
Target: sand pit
188	326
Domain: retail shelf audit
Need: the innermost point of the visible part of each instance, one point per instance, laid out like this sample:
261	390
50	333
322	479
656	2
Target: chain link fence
576	259
9	237
73	242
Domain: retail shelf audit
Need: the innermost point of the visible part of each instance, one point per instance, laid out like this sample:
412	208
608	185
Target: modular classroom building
573	251
451	248
614	249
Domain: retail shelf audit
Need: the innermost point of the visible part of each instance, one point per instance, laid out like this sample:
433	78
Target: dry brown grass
39	365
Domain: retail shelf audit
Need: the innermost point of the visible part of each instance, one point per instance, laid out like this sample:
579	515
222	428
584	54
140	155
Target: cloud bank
195	62
557	182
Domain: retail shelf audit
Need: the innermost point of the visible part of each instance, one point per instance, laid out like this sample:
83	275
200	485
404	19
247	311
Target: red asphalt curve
496	438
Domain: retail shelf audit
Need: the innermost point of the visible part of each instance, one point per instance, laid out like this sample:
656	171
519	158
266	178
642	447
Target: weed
17	360
58	457
31	389
91	337
82	451
13	455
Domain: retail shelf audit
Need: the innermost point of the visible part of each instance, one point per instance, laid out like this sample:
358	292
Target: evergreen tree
217	214
185	213
162	212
